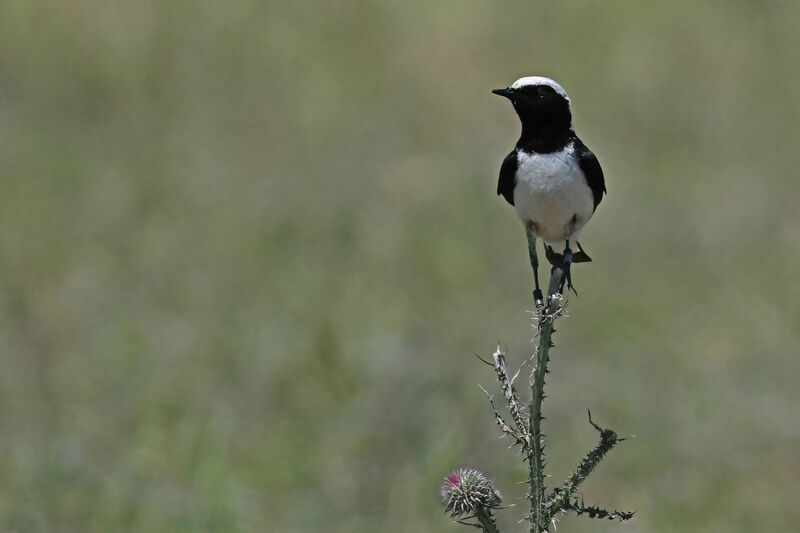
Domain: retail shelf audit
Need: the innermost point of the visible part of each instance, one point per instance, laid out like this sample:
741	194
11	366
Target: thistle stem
559	499
486	519
539	518
536	454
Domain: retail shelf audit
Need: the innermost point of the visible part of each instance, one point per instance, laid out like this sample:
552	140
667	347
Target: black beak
504	92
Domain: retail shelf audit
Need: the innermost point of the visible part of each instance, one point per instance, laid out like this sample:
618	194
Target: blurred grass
248	250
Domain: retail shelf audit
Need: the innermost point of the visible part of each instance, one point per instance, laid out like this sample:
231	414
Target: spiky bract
466	490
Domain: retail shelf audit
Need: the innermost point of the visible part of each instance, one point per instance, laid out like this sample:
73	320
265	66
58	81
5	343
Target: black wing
591	169
508	179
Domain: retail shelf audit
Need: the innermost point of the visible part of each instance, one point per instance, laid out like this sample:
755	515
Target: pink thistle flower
466	490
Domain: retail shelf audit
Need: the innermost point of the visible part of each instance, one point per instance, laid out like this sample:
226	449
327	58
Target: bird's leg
537	292
566	261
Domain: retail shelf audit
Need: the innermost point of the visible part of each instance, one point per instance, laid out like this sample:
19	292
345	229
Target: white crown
540	80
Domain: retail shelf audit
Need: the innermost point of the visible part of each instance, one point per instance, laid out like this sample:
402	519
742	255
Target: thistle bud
467	491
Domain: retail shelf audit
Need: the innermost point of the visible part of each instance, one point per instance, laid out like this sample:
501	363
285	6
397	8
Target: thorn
484	360
595	426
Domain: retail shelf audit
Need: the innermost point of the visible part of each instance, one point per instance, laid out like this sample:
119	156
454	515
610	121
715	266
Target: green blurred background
248	252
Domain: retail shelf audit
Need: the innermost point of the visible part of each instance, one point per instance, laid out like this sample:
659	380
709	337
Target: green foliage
248	250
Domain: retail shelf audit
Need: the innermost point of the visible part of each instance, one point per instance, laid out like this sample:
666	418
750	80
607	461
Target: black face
545	116
536	102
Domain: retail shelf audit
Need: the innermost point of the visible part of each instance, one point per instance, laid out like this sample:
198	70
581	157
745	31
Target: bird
552	179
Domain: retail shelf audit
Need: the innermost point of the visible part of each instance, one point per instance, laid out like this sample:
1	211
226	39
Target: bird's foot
566	278
564	262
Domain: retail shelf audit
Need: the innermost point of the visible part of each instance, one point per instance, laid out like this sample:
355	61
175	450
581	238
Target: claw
566	262
566	278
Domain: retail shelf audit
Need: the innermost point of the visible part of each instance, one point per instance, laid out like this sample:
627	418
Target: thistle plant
468	494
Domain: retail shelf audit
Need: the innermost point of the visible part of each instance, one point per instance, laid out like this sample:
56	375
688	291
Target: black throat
546	135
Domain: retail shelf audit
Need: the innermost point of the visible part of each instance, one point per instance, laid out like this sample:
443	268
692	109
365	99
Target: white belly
552	193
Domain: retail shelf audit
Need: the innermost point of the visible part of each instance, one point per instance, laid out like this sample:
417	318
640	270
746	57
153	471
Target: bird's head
537	100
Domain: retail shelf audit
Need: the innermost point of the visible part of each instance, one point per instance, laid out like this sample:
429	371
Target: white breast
552	193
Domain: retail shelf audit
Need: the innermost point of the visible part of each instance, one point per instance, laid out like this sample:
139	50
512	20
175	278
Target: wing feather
592	171
508	179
